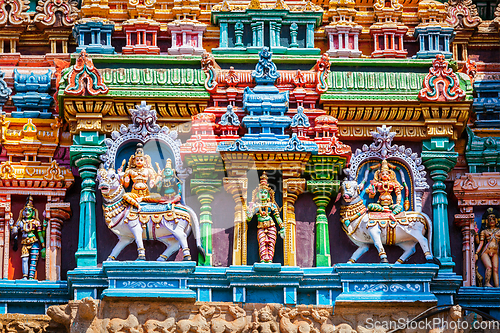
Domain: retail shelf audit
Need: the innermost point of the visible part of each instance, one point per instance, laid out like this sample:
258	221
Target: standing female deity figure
487	250
264	206
139	172
32	238
385	183
169	185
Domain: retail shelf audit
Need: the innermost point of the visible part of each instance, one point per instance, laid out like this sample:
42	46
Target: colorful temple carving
255	165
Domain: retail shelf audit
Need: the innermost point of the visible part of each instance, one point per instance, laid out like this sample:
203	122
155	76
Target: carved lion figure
198	324
220	325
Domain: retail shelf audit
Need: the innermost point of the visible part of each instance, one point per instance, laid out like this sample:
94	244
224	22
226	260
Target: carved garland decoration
382	148
143	129
84	79
441	84
18	13
46	12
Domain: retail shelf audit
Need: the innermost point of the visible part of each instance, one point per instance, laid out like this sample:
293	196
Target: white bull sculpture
408	229
170	224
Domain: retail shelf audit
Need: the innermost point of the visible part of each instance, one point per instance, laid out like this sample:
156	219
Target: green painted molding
482	153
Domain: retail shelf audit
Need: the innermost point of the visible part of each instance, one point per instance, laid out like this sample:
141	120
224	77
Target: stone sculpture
487	250
141	175
388	221
161	221
364	228
32	238
264	206
220	325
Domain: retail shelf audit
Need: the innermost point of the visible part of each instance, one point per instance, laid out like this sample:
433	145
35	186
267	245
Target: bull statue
170	223
384	222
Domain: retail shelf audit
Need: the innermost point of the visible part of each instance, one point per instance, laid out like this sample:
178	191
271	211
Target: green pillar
324	183
205	190
205	183
439	158
84	154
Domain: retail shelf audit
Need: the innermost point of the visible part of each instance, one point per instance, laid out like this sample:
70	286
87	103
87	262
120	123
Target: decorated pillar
439	158
292	188
56	213
84	154
5	216
205	189
237	187
324	171
465	220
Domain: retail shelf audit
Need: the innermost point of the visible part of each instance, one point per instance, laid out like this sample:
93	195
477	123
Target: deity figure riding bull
387	221
140	214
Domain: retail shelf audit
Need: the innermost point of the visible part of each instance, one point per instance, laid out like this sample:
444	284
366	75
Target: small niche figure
487	250
169	185
141	174
264	206
32	238
384	184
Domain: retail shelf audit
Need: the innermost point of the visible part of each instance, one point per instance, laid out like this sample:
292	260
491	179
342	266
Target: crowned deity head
29	210
139	159
385	173
492	216
168	171
263	192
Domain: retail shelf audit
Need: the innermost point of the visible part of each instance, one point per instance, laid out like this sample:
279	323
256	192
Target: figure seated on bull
140	214
385	222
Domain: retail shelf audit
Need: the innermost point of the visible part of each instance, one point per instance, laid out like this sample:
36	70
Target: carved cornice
26	137
106	115
35	178
412	121
478	189
291	164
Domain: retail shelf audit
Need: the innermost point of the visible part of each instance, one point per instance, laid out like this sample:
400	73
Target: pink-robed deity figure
264	206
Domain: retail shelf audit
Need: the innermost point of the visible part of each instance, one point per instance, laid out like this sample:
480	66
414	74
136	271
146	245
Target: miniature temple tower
434	33
388	32
343	32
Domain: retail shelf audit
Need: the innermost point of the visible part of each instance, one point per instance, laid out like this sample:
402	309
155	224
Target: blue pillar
84	154
223	39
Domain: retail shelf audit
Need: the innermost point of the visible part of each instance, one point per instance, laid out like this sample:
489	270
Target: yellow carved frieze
25	137
108	115
413	121
36	176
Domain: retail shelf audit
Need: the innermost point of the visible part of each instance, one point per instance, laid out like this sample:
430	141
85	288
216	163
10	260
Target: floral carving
462	14
231	78
47	9
210	68
17	14
85	79
470	68
322	68
7	171
441	84
265	70
54	172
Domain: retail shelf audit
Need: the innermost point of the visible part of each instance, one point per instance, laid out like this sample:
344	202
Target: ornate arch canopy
382	148
145	130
